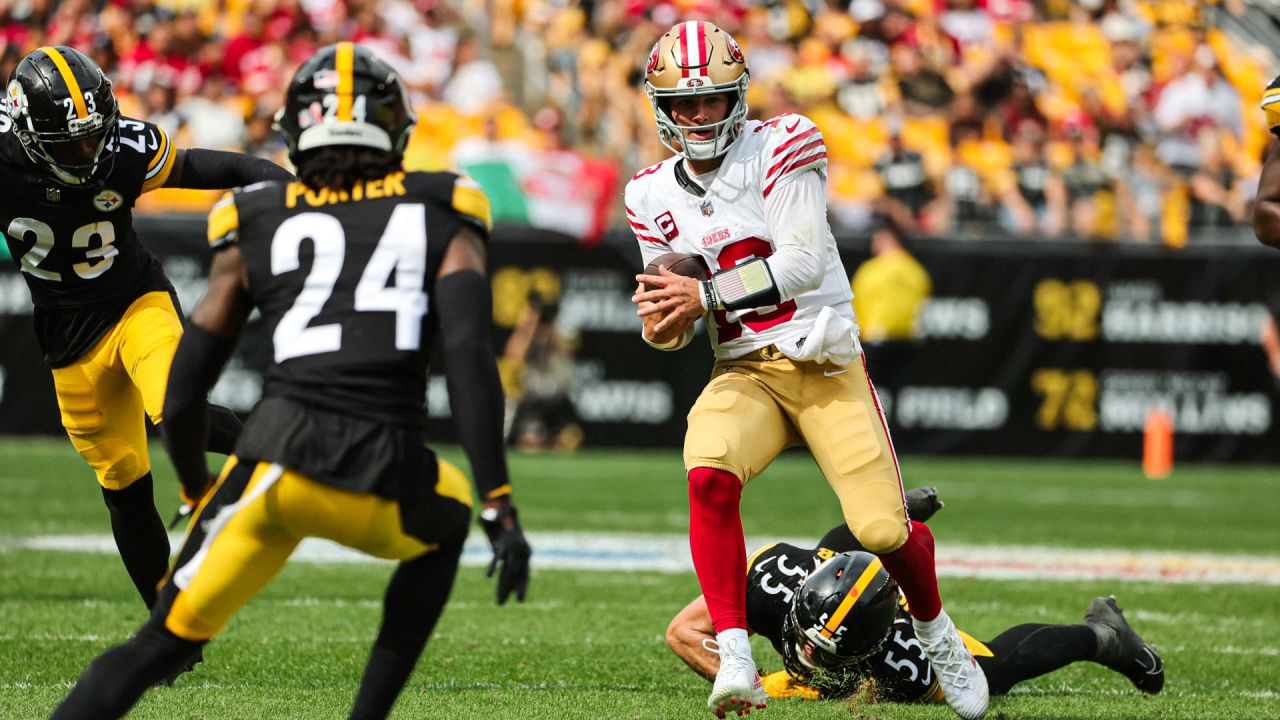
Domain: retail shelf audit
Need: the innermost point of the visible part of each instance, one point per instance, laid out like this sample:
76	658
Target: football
679	263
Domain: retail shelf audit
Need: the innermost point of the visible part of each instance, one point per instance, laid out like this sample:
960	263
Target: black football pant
1028	651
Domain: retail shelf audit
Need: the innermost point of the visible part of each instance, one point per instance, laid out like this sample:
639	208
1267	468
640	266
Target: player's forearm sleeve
475	392
215	169
197	363
796	214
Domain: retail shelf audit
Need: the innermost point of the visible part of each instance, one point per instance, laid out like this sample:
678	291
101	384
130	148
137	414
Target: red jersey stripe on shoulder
798	152
792	141
807	160
653	240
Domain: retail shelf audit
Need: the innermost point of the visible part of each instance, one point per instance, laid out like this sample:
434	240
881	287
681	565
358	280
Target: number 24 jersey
344	280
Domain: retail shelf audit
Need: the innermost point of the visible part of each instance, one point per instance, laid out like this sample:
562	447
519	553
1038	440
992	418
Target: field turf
590	644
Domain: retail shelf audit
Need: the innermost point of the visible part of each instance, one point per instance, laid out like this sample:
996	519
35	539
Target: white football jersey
728	226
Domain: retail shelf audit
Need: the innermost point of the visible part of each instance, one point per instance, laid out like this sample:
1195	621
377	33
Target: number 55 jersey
725	215
899	669
76	246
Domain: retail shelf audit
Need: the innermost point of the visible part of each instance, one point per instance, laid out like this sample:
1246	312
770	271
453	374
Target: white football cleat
737	688
963	683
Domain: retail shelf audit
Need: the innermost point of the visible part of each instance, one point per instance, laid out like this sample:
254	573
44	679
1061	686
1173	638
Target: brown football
679	263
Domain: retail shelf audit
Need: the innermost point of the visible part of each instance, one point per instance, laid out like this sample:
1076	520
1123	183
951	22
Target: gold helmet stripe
68	77
343	62
851	599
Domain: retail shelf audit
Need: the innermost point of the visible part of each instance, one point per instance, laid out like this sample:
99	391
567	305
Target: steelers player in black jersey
841	627
71	169
1266	208
355	269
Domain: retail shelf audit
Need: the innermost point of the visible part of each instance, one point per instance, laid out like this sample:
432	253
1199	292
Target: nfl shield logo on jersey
707	208
108	200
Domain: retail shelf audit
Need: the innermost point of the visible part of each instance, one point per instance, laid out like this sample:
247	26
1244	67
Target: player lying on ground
840	624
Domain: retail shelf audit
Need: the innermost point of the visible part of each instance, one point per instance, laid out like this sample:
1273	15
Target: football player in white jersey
748	198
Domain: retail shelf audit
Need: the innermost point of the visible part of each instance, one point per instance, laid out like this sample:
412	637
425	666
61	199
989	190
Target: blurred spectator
890	290
475	82
1198	100
1033	197
1085	182
540	361
908	190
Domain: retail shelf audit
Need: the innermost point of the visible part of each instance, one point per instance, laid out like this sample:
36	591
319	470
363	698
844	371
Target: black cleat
922	503
188	666
1122	649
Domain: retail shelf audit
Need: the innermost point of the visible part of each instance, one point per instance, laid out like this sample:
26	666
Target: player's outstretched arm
463	299
1266	210
203	352
200	169
685	634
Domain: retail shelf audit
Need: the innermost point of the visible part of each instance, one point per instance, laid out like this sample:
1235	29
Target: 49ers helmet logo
653	59
735	52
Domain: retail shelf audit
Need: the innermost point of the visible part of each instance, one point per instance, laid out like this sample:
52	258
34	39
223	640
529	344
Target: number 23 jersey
728	225
76	248
774	575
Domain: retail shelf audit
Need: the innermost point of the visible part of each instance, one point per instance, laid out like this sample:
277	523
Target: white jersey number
401	253
97	259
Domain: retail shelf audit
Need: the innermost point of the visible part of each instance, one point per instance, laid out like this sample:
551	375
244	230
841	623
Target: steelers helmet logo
16	100
108	200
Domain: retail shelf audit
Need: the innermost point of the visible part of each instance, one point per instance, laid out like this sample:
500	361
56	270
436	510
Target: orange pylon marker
1157	445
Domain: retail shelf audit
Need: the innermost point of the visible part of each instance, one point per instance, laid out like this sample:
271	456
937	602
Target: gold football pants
755	407
104	395
257	523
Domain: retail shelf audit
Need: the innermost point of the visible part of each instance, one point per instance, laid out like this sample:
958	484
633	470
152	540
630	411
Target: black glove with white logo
510	550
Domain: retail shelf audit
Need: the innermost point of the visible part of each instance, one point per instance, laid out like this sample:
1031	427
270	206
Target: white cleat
738	688
963	683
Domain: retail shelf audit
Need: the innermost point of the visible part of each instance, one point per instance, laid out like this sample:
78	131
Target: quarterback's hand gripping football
678	299
510	550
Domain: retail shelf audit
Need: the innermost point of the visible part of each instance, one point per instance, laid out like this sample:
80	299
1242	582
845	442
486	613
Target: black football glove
510	550
922	503
189	503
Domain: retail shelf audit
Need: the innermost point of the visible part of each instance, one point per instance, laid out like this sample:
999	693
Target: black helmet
841	614
64	114
345	95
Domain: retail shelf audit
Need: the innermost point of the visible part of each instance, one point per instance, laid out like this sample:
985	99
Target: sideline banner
1025	349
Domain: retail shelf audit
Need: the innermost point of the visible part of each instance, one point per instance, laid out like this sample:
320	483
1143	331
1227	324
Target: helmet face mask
697	58
64	115
345	96
842	613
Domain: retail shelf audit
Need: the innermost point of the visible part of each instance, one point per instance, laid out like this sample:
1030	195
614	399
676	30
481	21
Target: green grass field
590	644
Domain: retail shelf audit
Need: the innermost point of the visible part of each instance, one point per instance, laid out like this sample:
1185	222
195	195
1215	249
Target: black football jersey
344	283
900	670
77	248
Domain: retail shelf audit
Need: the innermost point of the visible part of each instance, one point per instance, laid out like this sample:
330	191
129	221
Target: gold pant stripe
251	540
752	409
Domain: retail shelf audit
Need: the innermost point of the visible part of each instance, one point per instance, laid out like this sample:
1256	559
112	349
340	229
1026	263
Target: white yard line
670	553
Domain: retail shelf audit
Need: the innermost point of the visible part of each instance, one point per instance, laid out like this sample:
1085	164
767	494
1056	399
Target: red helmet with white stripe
693	58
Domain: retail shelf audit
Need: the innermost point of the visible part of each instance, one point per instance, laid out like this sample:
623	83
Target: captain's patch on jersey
108	200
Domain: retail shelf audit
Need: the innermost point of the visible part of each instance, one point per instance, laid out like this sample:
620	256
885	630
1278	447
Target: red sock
719	551
912	566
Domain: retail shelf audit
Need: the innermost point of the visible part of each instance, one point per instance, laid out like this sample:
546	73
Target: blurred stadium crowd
1110	119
